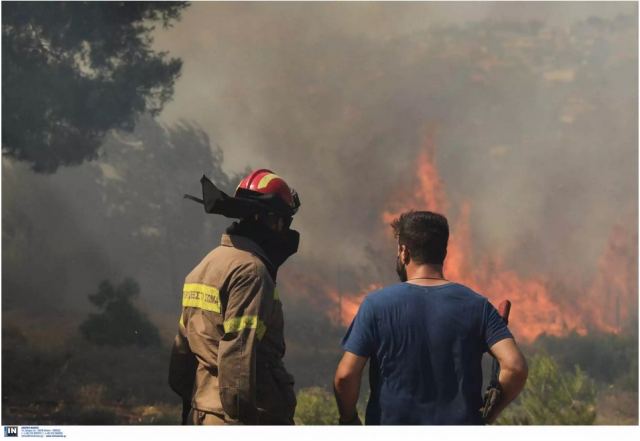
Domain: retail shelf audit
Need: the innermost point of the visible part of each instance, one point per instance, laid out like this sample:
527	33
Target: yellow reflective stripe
276	295
237	324
197	295
199	287
266	179
181	321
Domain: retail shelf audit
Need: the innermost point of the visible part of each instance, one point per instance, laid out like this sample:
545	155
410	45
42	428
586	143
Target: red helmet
265	182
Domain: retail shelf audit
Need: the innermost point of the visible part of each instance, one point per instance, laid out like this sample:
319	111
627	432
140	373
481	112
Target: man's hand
513	374
346	386
355	421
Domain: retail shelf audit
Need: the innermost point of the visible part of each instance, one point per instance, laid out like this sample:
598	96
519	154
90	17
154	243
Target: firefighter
226	361
425	338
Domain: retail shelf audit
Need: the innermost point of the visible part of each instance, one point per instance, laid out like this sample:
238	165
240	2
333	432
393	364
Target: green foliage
120	323
316	407
553	396
73	70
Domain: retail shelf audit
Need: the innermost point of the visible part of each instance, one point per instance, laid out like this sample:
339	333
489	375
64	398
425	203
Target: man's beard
401	270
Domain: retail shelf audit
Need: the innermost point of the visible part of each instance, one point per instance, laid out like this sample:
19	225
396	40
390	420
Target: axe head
504	309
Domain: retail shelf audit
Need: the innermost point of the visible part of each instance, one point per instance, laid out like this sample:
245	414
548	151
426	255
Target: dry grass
617	408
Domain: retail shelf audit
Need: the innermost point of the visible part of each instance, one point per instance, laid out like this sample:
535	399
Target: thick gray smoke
534	107
120	216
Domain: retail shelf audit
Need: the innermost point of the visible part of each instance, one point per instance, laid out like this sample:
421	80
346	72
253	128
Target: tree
120	323
144	176
123	214
71	71
553	397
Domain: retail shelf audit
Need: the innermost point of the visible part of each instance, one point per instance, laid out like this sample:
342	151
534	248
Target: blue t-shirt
425	346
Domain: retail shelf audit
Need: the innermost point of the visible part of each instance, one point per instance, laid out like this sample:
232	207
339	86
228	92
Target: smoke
532	108
120	216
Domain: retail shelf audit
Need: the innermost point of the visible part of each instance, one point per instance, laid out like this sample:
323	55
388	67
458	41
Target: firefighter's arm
513	374
250	298
182	365
346	386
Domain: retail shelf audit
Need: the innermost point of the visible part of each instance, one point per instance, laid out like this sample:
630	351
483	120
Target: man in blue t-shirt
425	338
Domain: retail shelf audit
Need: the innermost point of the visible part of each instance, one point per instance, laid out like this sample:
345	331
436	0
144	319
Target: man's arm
346	386
250	299
513	373
182	370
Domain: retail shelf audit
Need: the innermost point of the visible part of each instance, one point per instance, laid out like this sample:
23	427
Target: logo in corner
10	431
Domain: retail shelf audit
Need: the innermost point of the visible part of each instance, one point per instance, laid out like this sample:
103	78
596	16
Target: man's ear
405	256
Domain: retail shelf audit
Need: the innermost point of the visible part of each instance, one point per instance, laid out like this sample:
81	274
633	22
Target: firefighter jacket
232	322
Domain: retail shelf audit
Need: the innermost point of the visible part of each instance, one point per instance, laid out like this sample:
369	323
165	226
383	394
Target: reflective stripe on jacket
232	322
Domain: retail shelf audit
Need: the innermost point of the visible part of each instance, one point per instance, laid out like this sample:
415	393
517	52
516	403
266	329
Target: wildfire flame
614	289
348	303
536	310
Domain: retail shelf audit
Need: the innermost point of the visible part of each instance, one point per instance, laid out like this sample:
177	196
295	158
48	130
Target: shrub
553	397
316	406
120	323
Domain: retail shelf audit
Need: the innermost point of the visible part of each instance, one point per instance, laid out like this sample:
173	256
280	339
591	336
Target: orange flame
614	291
535	310
348	303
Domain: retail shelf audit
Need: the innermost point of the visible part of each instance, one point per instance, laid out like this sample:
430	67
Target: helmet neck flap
278	246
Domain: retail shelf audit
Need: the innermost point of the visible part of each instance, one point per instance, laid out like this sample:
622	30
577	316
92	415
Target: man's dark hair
425	234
